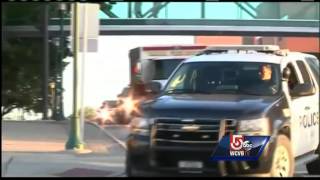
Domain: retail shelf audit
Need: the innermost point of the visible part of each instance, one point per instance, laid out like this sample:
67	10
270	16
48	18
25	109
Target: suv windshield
252	78
164	68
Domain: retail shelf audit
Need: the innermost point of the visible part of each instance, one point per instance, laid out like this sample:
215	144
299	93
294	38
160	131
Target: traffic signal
68	47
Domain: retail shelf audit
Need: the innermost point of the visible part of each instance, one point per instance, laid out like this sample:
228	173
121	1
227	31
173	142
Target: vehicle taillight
136	68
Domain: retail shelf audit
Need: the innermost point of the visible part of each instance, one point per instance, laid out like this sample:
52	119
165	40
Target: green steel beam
250	6
203	10
106	8
305	28
156	9
245	9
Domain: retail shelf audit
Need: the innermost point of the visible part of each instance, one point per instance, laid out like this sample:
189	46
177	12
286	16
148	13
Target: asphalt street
107	160
121	132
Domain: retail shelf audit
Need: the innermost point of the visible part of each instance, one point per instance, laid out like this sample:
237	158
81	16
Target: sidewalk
37	149
62	164
46	136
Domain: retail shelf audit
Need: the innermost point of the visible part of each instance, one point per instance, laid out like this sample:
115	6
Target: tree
22	59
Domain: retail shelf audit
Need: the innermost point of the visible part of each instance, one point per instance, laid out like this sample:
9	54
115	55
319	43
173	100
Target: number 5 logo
236	142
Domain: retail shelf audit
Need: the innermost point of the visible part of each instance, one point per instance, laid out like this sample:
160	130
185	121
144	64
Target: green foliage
22	59
22	13
21	75
28	13
89	113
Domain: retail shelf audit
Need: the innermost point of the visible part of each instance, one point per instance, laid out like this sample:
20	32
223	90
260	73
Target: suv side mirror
153	87
286	73
302	90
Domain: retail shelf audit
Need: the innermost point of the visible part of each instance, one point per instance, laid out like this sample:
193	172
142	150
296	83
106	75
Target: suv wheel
130	170
314	167
283	160
128	166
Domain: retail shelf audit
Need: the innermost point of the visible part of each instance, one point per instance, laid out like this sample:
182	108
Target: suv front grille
195	133
174	140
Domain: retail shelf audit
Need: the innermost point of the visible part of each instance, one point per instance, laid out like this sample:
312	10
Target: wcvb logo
239	146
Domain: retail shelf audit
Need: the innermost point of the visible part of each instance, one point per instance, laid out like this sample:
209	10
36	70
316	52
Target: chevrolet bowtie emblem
190	127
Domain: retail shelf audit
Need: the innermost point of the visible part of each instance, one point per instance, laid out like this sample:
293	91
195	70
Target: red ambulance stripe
173	48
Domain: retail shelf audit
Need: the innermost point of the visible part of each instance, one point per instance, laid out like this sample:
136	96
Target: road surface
108	159
121	132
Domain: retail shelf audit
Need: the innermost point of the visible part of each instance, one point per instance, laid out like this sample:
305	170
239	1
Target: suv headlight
139	125
254	127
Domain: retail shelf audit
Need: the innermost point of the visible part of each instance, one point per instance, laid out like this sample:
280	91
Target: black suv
220	92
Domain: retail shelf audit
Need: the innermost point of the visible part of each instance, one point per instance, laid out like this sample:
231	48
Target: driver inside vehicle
265	73
265	83
260	81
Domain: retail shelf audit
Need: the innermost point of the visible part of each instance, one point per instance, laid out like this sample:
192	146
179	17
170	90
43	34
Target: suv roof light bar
274	49
245	47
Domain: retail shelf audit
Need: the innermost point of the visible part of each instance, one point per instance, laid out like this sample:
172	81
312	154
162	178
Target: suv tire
314	167
283	163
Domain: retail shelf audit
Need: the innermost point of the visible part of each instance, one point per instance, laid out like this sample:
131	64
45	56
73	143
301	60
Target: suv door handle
307	108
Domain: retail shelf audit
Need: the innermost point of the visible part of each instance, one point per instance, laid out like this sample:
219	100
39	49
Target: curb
35	121
116	125
4	171
122	144
79	151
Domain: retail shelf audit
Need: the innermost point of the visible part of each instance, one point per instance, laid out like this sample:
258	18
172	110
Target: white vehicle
247	90
156	63
151	64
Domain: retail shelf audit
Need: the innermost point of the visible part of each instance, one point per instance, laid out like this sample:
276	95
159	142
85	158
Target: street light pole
84	51
75	141
45	61
59	102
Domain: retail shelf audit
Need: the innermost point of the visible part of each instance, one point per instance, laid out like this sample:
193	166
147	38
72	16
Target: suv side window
314	66
293	79
304	72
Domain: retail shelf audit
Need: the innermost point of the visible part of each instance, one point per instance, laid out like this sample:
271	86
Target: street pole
3	16
45	67
75	141
84	51
60	111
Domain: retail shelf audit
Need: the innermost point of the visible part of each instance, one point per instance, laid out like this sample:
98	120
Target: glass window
183	10
293	79
304	72
314	66
121	9
164	68
262	79
219	10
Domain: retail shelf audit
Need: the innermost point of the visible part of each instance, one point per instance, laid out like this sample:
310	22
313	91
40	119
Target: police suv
246	90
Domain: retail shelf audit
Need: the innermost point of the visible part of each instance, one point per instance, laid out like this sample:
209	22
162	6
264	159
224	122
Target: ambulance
156	63
151	64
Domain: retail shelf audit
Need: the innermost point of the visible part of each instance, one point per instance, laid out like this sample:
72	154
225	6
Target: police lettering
309	120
